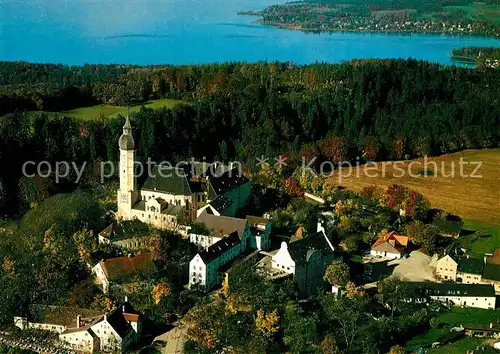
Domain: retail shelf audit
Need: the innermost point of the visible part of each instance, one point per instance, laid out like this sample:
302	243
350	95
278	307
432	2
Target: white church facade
171	196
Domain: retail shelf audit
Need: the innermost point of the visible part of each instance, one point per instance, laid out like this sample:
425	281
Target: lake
189	32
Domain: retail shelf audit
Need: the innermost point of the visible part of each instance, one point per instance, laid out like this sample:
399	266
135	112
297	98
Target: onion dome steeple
126	141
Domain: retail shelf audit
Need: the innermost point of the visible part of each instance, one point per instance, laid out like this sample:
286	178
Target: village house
482	330
456	294
448	228
216	228
389	245
171	196
446	268
125	235
470	270
306	260
118	329
224	239
122	270
491	272
86	330
204	268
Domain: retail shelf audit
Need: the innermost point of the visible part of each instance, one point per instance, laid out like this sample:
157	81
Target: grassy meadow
106	111
477	10
454	318
476	200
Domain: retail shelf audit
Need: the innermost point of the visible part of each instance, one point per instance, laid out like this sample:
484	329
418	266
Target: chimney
78	321
320	227
105	317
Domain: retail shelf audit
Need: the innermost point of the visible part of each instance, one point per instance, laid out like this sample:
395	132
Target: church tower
127	194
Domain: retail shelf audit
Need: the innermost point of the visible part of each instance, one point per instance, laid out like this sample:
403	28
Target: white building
119	270
204	267
389	245
306	259
113	332
119	329
466	295
225	238
123	235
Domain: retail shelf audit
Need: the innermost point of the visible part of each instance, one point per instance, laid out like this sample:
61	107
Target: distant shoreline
355	30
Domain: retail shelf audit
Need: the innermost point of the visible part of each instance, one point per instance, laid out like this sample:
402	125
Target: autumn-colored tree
308	153
204	323
398	148
159	246
337	273
336	149
293	188
267	323
397	349
160	290
346	223
86	243
329	188
9	265
372	192
352	290
272	175
371	147
423	234
339	207
328	346
299	234
394	196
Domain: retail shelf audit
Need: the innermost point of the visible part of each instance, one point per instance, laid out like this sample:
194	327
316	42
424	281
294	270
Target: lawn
464	345
454	318
111	111
440	181
485	239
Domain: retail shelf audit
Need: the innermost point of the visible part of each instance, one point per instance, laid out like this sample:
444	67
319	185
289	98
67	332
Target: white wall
81	340
385	254
197	272
203	240
478	302
283	261
101	277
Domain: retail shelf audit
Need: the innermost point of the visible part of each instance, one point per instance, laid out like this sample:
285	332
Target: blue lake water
189	31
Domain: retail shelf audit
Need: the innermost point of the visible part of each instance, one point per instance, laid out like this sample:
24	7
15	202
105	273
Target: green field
106	111
485	239
477	10
454	318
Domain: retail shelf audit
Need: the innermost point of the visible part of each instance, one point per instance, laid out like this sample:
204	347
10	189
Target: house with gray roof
222	240
456	294
469	270
306	260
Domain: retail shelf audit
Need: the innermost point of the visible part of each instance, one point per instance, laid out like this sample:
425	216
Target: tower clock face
124	197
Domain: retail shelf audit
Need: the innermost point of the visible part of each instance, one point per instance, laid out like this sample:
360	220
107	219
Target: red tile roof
122	267
393	239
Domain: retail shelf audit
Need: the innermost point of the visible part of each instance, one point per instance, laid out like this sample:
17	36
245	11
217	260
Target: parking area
416	268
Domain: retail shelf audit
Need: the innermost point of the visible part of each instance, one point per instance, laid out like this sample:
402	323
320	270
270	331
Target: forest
429	16
370	109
